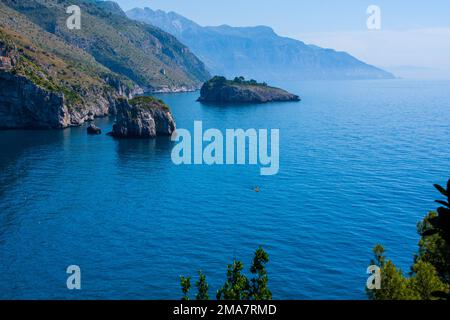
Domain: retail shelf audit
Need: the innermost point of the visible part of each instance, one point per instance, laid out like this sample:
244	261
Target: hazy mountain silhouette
258	52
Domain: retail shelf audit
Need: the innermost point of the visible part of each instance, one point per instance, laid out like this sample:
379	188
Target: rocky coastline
54	78
27	105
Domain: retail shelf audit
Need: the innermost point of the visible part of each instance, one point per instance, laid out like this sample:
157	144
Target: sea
358	160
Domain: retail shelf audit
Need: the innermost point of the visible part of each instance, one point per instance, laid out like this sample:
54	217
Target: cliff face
222	90
25	105
143	117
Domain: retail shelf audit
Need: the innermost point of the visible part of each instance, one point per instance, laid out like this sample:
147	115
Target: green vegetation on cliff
145	54
148	103
52	64
236	81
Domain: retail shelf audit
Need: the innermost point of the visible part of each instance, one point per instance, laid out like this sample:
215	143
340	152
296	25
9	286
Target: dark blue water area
357	165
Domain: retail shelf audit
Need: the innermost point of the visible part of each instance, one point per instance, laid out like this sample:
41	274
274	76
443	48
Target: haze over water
358	160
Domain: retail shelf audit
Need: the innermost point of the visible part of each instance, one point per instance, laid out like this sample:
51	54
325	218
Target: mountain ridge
147	55
258	52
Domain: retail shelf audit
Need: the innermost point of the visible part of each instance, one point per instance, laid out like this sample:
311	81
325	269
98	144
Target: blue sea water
357	163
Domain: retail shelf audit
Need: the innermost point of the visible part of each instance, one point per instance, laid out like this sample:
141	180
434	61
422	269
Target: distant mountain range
258	52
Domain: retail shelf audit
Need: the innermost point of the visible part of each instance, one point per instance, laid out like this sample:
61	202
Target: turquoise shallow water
357	164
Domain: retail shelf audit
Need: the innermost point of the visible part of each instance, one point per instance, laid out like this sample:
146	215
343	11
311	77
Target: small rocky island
239	90
94	130
142	117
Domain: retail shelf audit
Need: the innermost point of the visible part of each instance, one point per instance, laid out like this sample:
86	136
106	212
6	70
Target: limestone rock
143	117
25	105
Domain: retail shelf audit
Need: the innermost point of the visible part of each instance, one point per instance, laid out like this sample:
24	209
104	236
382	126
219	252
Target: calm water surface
357	164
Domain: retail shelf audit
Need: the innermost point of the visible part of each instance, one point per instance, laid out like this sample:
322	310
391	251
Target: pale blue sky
414	33
292	16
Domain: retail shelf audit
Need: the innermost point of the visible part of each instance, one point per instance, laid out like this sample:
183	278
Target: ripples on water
357	164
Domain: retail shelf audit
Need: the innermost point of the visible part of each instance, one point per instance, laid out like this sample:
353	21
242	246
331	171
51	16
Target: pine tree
259	289
185	287
425	281
394	286
202	287
237	286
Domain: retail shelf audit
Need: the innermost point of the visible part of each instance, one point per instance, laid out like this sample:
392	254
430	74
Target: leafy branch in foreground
441	223
237	285
429	277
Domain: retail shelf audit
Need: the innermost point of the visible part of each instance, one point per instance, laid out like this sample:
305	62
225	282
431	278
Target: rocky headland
221	90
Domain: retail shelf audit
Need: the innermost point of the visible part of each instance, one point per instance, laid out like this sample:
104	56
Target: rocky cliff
25	105
221	90
143	117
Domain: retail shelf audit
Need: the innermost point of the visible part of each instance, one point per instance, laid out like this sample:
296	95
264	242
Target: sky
414	38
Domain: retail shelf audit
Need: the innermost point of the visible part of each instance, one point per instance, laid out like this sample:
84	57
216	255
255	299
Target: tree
185	287
441	222
202	287
429	277
237	286
218	79
425	281
260	290
394	286
434	249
